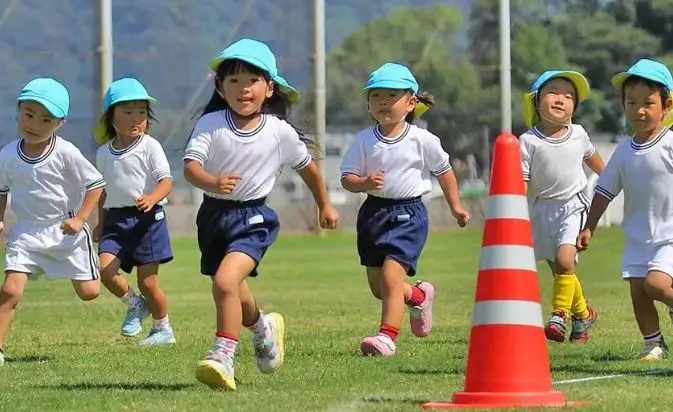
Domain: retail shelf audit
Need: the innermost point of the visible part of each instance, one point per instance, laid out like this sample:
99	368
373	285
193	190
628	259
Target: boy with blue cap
643	168
54	190
132	224
394	162
553	152
237	148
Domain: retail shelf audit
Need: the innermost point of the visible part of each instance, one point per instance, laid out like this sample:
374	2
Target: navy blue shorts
135	237
226	226
394	228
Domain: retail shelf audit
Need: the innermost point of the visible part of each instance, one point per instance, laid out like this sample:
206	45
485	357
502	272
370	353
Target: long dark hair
277	105
108	120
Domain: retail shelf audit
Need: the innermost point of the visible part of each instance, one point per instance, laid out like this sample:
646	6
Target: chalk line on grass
614	376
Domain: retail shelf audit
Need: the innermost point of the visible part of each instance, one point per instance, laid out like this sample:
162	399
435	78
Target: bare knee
564	262
11	291
148	279
656	284
87	290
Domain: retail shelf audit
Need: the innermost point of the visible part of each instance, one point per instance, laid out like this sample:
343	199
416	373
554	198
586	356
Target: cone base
486	400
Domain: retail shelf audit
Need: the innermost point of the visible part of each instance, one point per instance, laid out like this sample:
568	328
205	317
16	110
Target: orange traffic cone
508	362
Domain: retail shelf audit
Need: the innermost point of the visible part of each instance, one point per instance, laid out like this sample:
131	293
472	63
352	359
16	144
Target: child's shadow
129	386
29	359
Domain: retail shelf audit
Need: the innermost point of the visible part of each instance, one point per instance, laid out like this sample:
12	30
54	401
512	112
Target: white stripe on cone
507	312
507	207
507	257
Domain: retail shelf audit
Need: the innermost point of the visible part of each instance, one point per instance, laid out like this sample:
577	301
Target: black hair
108	119
537	95
423	97
660	88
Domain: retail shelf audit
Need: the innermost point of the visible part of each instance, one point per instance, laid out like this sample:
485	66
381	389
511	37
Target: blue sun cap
646	69
392	76
576	78
49	93
125	90
259	55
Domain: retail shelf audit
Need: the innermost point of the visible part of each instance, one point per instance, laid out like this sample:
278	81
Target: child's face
245	92
557	101
390	106
643	108
130	118
35	123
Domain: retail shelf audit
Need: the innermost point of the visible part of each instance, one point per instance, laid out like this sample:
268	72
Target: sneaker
379	345
653	351
159	335
270	348
420	316
556	327
217	371
580	327
2	358
133	323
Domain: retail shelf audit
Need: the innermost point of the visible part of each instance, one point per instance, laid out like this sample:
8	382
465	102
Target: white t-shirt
553	167
645	173
407	161
257	155
47	187
133	171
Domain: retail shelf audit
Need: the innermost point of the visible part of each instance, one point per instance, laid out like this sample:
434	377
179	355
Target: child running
54	190
132	224
235	152
393	162
552	155
643	168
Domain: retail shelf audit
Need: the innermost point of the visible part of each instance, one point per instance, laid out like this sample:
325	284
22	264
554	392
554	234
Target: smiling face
390	106
556	102
245	88
35	123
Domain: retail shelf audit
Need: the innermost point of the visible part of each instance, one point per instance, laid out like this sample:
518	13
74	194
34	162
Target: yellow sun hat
577	79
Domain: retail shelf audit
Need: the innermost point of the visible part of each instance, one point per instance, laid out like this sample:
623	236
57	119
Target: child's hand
583	239
145	203
97	231
225	184
329	217
374	181
2	226
461	214
72	226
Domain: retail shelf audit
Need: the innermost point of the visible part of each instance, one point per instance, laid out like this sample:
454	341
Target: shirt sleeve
293	152
353	161
609	183
198	145
436	158
158	161
82	170
4	176
525	160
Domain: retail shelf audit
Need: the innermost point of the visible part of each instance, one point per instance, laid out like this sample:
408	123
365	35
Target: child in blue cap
54	190
132	226
393	162
237	148
643	168
553	152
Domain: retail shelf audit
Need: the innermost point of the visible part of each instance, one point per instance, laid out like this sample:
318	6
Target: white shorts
640	258
36	247
557	223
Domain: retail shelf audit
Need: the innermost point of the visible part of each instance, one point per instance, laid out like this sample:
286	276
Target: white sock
259	327
653	337
130	298
160	323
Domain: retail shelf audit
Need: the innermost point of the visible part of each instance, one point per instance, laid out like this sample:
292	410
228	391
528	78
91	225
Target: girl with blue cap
54	190
553	153
132	224
236	150
393	162
643	168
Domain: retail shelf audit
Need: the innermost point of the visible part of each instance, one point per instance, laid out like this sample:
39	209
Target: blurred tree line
597	37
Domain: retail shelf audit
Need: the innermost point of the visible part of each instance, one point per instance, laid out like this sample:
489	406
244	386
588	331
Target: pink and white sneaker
379	345
420	316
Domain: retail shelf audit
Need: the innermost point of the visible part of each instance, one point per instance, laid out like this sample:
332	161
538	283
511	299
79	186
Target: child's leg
648	320
10	296
148	283
563	292
119	286
87	289
217	370
268	331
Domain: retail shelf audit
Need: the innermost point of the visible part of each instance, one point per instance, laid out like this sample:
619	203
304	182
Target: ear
411	103
668	104
269	89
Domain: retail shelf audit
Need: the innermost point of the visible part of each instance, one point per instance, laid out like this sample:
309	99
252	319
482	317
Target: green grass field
67	355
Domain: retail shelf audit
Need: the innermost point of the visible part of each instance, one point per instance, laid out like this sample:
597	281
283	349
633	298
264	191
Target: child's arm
3	207
161	171
447	181
196	155
87	176
595	163
354	176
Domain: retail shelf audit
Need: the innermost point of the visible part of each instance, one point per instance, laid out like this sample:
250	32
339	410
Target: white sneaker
270	348
653	351
217	371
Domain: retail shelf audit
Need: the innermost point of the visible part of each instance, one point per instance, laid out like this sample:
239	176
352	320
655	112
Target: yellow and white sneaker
217	371
653	351
270	346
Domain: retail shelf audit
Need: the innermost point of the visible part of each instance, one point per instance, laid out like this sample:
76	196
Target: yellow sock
564	291
579	306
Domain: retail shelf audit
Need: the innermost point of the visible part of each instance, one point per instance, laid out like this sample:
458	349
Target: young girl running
131	221
643	168
54	190
552	155
235	152
393	162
